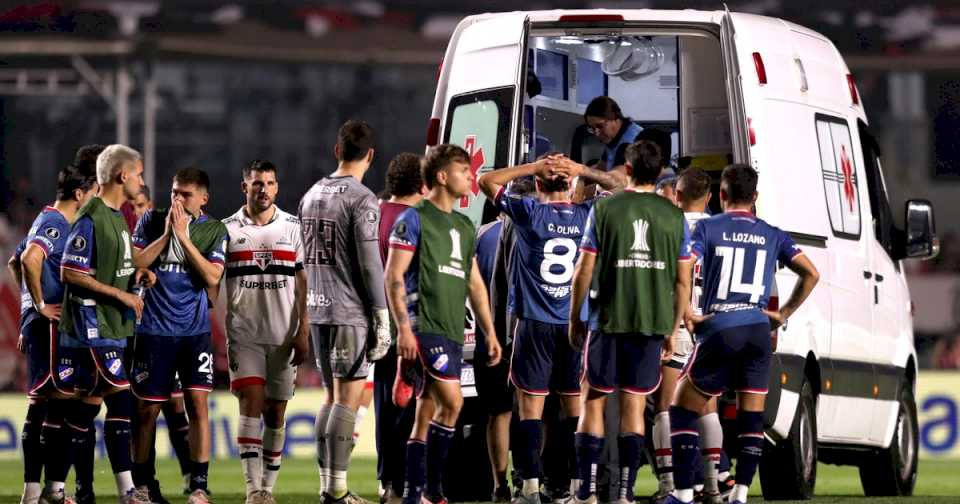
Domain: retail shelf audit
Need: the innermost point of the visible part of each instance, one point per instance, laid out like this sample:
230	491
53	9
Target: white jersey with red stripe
683	346
262	262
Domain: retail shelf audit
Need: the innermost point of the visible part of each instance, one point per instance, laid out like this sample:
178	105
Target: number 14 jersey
547	247
740	254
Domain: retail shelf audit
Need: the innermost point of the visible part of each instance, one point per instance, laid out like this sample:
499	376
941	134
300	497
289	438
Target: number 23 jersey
740	254
546	251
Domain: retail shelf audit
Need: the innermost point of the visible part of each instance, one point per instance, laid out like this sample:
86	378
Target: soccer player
266	323
394	420
693	195
185	247
36	266
430	272
142	203
733	335
99	311
542	361
635	248
350	325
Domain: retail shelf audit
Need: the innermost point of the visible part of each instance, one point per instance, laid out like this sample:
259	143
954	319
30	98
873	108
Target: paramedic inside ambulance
605	120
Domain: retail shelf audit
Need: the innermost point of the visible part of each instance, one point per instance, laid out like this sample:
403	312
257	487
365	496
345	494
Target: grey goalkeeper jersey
340	220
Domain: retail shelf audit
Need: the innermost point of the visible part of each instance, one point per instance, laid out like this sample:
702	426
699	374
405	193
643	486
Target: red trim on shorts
586	363
711	451
513	351
693	382
249	440
247	381
149	397
638	391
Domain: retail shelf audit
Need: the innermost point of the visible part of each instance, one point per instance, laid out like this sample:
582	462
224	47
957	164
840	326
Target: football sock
30	438
629	445
663	451
588	456
81	420
750	428
198	475
251	443
416	471
116	435
339	446
711	439
439	437
527	454
320	427
272	452
685	440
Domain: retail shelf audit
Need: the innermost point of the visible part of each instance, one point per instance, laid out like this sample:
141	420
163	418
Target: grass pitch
938	483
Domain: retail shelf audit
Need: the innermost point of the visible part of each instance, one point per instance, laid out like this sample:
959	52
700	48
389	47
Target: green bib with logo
446	255
639	237
113	266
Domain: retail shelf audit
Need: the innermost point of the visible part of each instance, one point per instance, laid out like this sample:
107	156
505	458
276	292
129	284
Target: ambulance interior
671	85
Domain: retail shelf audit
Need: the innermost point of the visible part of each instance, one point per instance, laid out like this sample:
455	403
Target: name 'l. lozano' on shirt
739	253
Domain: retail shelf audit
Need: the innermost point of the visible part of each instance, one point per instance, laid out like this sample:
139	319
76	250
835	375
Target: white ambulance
717	87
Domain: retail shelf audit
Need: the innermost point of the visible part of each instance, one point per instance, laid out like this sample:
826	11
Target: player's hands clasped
179	220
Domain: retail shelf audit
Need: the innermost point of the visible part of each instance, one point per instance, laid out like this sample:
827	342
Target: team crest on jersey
52	233
263	258
79	243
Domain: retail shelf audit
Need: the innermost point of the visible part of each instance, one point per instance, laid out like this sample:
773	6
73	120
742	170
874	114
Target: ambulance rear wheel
788	469
893	470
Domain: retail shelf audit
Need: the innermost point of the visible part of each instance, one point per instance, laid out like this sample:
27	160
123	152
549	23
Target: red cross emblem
476	162
847	169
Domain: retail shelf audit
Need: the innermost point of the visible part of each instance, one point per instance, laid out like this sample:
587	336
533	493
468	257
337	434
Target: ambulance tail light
761	70
751	132
591	18
854	96
433	132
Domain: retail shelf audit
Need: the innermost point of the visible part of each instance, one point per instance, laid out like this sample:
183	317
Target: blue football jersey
740	253
177	304
80	255
488	237
405	235
547	246
48	232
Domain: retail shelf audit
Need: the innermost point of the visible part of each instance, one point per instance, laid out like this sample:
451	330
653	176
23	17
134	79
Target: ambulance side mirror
921	240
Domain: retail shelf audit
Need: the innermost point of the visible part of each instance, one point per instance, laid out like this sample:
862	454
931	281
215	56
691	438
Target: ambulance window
884	228
480	123
839	172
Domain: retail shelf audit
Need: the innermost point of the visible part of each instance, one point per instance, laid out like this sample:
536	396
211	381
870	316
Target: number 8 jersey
546	250
740	254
